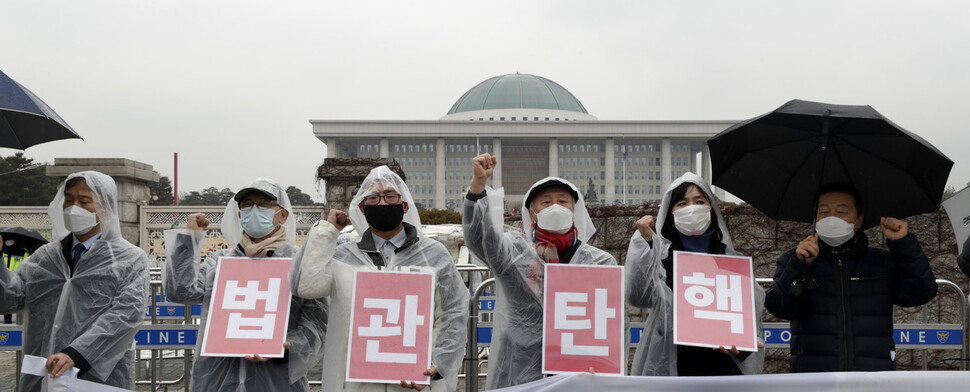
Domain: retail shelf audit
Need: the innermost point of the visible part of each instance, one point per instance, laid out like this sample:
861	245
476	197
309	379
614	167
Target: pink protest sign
390	327
583	319
249	309
714	301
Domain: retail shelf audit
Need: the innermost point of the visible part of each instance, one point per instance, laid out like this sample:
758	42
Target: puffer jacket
841	304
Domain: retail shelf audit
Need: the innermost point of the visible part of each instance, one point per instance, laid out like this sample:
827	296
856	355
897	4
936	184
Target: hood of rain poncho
381	178
232	228
665	204
581	219
106	205
656	354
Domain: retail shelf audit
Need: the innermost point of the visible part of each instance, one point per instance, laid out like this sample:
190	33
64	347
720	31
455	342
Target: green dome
517	91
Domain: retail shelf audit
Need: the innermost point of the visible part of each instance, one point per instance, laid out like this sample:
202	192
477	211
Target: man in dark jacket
839	292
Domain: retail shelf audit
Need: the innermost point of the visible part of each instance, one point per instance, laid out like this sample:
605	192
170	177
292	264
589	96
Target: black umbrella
23	240
778	161
25	120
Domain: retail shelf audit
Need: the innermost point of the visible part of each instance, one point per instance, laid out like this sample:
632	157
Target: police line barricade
156	337
914	336
918	336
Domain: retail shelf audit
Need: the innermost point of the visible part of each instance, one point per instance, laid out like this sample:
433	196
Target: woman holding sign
688	220
259	224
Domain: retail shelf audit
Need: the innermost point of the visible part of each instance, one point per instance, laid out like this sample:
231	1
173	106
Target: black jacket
841	304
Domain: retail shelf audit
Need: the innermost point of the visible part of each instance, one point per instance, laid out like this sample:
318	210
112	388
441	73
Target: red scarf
548	245
560	242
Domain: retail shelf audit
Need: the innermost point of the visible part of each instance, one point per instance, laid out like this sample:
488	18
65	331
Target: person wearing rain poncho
689	220
383	213
555	229
86	293
259	222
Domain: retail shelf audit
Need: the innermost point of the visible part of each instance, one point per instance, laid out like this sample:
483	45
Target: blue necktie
78	251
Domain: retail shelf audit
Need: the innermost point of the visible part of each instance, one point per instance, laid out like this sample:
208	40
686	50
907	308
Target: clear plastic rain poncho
189	280
95	311
326	269
515	355
656	353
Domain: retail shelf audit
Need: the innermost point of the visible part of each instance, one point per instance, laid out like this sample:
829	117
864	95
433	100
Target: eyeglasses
262	204
390	198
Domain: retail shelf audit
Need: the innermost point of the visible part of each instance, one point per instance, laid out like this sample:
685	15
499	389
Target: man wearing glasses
390	239
257	223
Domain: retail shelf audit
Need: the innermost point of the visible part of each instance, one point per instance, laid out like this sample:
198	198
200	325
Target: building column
497	172
706	164
385	148
439	174
331	147
610	171
553	157
665	166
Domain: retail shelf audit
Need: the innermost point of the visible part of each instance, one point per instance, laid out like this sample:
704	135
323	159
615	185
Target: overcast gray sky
231	85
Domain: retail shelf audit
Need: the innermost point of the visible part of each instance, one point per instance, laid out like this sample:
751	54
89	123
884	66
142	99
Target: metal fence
924	336
171	331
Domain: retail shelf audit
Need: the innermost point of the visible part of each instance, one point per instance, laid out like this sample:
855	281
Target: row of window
420	175
637	148
563	162
651	161
638	189
638	175
524	118
421	189
581	161
579	148
565	148
566	174
582	175
470	148
425	148
419	161
462	175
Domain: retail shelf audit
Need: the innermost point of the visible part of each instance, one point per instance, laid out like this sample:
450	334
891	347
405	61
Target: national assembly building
536	128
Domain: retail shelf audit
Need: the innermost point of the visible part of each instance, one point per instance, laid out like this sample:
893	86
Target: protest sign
249	309
714	301
583	319
958	209
391	325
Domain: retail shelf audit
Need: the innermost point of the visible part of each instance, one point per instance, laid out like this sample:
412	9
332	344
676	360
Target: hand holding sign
583	319
391	325
249	309
714	302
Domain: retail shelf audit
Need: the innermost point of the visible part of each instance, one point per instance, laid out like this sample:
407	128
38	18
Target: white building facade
536	128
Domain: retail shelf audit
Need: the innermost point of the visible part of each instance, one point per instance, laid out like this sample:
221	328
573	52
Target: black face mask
384	217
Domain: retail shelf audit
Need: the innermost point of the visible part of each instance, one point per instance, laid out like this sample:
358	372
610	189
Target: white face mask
555	219
9	242
78	220
834	231
693	220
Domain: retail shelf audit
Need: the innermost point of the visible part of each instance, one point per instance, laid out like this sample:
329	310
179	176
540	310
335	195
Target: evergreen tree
163	190
297	197
25	183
